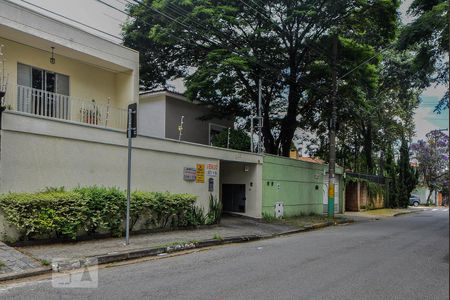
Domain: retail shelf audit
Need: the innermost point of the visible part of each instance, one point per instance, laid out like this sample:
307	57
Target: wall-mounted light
52	59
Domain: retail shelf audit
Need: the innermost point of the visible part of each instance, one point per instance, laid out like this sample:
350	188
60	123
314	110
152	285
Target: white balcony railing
53	105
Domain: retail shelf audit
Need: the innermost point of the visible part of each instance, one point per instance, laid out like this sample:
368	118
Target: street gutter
157	251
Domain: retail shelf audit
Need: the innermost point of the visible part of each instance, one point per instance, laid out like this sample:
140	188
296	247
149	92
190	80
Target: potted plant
90	115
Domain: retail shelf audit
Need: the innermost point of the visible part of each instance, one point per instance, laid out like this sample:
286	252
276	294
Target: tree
222	49
372	122
407	178
428	35
239	140
432	158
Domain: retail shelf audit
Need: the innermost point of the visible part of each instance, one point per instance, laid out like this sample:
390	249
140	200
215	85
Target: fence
53	105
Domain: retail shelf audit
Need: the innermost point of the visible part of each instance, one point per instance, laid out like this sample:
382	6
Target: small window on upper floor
41	79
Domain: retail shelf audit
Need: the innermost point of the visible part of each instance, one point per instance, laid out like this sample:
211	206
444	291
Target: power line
113	7
72	41
72	20
264	65
365	61
125	13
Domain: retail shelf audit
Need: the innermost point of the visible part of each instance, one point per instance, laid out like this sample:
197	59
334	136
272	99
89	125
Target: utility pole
332	158
131	134
251	133
260	123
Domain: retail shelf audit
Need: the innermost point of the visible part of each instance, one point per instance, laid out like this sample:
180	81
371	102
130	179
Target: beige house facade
59	71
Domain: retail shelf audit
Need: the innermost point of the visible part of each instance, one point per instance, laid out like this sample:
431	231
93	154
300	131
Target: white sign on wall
211	170
189	174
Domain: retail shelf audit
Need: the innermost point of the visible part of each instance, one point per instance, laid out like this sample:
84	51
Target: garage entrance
233	197
239	188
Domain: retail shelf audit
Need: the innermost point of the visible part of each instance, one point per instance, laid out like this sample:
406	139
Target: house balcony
52	105
55	70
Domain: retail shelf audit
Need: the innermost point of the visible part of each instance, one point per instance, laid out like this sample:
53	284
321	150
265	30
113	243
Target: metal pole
180	128
251	134
228	138
127	230
260	116
332	159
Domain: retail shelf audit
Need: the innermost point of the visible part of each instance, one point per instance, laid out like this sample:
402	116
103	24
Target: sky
107	19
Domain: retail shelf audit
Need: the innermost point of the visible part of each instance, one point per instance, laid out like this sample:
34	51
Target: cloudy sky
107	19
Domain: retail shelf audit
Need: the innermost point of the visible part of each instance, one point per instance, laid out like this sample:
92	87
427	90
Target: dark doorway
233	197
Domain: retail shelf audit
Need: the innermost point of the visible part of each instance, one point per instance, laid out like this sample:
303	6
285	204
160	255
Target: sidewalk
229	227
13	261
68	256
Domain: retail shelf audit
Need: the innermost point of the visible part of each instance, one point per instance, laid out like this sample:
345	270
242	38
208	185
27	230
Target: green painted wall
298	184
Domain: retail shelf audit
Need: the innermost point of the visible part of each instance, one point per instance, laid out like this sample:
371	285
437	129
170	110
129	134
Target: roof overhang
25	26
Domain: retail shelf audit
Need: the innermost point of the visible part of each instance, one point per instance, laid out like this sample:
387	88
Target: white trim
150	95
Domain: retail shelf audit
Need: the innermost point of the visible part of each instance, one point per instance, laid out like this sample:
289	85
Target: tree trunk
368	148
429	196
289	123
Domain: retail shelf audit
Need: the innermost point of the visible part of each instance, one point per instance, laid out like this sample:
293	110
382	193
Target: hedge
90	210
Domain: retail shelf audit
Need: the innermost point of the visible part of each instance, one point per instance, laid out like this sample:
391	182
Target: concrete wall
194	130
298	184
151	116
37	152
357	197
248	174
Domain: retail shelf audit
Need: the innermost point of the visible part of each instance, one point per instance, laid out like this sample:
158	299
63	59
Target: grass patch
45	262
300	220
217	237
303	220
172	244
269	218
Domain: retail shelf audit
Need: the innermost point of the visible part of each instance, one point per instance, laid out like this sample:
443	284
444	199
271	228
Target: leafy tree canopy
427	35
223	48
432	157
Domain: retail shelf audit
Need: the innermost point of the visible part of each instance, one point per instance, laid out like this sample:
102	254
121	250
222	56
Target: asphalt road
405	257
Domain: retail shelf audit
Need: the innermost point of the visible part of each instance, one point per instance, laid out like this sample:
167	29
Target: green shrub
268	217
173	209
215	210
141	205
46	214
58	213
195	216
105	209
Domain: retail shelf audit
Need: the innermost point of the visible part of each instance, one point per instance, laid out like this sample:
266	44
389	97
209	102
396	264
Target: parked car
414	200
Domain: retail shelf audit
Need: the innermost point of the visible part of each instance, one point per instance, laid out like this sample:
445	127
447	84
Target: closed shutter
62	84
23	75
24	95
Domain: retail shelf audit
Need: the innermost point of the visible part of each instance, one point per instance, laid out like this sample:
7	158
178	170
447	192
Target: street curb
148	252
406	213
25	274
